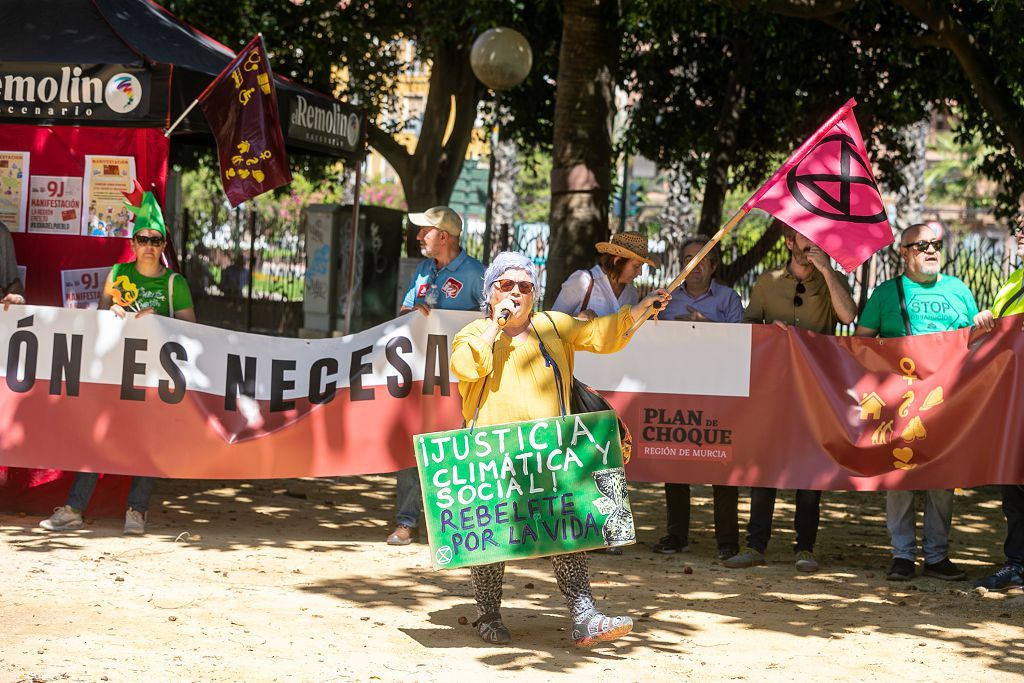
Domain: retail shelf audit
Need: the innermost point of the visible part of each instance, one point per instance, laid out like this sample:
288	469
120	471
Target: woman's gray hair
503	262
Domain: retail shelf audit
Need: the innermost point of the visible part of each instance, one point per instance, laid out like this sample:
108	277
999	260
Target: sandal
491	630
595	627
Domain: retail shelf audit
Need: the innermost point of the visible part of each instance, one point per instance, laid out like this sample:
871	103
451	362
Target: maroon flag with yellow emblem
241	107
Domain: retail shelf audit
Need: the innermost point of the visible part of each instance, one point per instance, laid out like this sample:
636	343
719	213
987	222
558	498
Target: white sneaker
63	518
134	522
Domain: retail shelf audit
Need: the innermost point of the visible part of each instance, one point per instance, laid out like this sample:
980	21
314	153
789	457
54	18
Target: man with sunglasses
449	279
809	293
920	301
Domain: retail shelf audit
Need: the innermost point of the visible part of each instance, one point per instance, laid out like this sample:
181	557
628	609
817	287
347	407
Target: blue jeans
900	517
85	483
408	497
1013	508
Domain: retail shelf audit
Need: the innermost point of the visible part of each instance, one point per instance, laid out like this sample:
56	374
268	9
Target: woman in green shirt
144	286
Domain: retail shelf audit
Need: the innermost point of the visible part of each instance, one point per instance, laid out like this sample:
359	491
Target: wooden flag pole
733	222
167	133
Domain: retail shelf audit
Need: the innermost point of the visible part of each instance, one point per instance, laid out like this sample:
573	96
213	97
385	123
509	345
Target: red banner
241	107
826	191
723	404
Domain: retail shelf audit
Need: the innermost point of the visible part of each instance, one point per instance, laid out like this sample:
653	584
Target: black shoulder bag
583	398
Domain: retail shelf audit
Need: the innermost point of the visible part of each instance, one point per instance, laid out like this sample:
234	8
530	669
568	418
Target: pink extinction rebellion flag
826	191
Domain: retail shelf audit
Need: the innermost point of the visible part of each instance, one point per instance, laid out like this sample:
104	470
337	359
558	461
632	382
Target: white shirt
602	299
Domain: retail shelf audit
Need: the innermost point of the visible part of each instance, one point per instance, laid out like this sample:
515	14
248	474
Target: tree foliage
974	60
732	92
357	51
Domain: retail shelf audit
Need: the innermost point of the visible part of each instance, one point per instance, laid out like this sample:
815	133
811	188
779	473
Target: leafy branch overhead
359	50
974	57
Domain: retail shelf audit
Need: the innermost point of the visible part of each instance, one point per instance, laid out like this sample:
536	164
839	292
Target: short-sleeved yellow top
519	386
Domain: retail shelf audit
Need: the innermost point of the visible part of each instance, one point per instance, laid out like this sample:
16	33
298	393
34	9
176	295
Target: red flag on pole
241	106
826	191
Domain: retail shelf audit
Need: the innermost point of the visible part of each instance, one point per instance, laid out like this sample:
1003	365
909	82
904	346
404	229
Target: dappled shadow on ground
315	514
676	600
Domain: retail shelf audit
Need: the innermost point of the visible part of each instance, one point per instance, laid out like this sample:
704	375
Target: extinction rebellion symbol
851	189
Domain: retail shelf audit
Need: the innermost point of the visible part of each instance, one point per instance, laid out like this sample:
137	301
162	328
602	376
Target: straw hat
630	245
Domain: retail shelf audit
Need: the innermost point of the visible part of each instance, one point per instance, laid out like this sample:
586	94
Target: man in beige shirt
809	293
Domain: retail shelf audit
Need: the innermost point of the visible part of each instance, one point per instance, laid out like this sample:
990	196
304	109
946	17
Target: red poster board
61	151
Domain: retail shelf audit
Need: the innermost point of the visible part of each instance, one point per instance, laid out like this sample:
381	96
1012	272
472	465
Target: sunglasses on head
143	240
525	286
800	289
923	246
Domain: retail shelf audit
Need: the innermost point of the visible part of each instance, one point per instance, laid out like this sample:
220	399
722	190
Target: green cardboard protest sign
524	489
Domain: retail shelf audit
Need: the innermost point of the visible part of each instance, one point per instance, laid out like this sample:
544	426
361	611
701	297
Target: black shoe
945	570
726	551
1009	576
901	569
670	545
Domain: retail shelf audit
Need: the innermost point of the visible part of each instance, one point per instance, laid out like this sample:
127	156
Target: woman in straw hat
609	285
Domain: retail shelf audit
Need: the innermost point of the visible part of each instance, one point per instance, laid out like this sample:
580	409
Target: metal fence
983	260
228	253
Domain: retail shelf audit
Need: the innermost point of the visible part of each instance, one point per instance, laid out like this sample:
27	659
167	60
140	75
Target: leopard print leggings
570	571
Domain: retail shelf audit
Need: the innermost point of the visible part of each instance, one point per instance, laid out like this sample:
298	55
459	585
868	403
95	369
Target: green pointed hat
148	215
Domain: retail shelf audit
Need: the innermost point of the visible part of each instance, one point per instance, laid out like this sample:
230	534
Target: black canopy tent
86	65
176	61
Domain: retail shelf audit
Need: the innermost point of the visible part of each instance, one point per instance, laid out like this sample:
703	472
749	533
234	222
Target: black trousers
1013	508
677	504
762	508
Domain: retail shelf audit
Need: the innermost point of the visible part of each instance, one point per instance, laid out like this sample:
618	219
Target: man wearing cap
920	301
448	279
809	293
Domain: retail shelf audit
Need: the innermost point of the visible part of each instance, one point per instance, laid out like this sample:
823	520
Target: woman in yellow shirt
503	378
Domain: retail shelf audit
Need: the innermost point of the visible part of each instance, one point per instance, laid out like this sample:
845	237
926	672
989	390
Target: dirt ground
291	581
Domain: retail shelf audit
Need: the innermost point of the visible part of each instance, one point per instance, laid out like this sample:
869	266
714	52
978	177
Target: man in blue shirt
701	299
449	279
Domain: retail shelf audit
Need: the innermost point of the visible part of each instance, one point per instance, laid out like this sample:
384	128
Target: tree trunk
910	199
730	116
428	175
503	193
730	273
582	156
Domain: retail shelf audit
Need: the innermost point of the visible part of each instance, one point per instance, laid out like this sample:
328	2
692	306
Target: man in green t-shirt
1009	301
919	301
